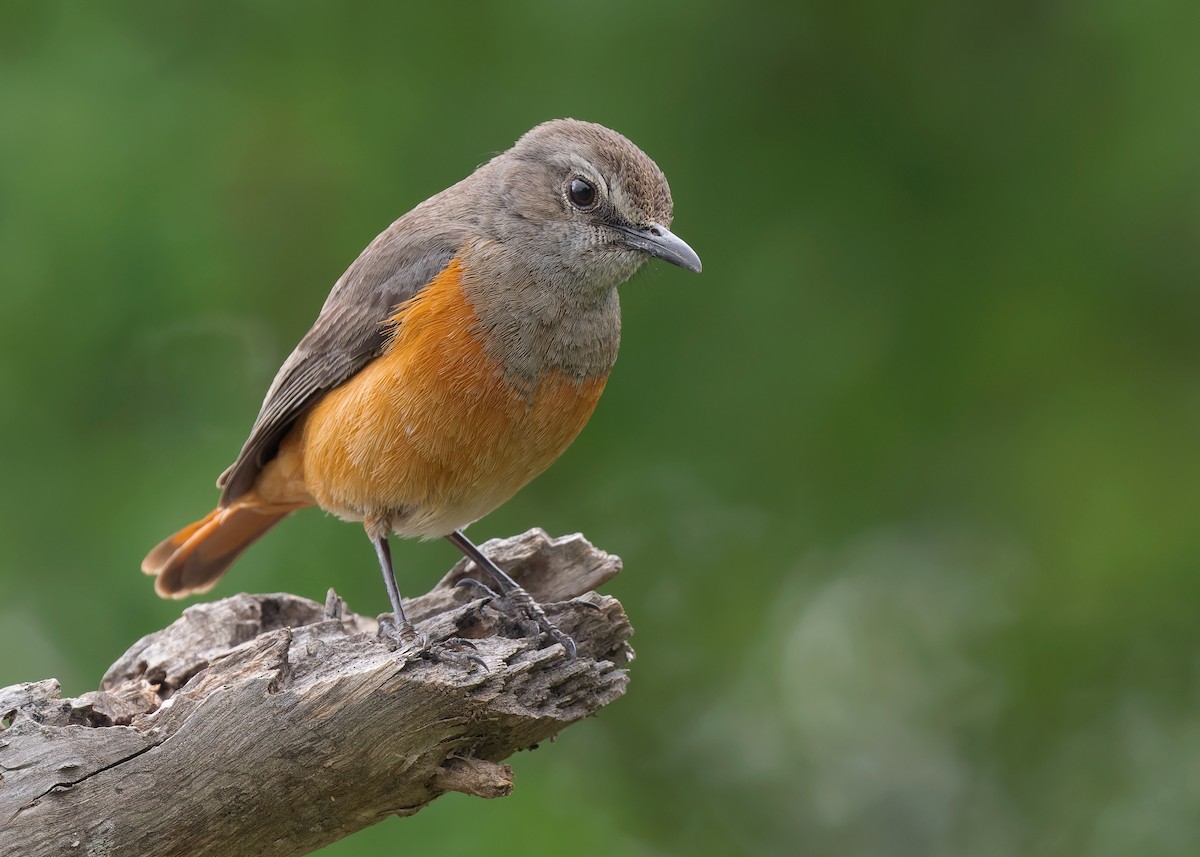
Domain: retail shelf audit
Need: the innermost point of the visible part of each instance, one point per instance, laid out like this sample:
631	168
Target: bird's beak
661	242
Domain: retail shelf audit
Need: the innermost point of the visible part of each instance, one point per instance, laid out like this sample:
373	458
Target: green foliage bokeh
906	482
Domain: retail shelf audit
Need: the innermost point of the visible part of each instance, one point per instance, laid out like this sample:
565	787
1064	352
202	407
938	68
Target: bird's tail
194	559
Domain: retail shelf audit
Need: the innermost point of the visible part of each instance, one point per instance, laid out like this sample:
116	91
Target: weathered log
270	724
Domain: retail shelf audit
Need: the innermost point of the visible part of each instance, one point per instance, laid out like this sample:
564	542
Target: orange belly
430	436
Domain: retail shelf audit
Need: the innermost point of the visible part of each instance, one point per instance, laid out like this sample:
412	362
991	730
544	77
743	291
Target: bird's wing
349	332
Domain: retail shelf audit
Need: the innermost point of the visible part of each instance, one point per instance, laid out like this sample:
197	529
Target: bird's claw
415	644
519	604
484	590
402	636
561	638
450	652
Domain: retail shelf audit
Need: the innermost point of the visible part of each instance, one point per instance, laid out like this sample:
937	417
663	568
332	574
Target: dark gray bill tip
662	243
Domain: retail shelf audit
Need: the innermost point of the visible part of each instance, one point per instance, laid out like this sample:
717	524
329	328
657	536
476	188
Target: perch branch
273	725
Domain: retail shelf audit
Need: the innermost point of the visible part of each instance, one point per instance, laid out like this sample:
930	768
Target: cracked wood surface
273	725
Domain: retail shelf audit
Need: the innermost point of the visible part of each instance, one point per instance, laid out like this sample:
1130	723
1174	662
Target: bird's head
579	199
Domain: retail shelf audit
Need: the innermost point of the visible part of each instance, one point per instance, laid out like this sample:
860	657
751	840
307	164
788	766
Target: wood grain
273	725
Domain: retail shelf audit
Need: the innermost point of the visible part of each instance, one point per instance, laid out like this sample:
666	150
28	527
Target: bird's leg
511	591
401	631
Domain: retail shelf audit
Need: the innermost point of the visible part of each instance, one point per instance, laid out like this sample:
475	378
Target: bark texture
273	725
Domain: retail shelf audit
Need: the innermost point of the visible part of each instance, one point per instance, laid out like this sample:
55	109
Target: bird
454	361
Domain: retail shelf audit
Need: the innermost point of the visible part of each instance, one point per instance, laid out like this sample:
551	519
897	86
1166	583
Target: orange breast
430	436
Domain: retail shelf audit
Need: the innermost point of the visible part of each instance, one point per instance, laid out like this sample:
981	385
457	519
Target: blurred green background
906	482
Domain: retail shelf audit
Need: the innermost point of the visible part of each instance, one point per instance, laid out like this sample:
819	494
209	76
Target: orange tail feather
194	559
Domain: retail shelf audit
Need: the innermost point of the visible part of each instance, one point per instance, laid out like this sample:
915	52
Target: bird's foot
412	644
455	651
402	636
516	602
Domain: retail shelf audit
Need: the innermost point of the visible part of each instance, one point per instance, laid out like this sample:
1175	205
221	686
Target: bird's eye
581	193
